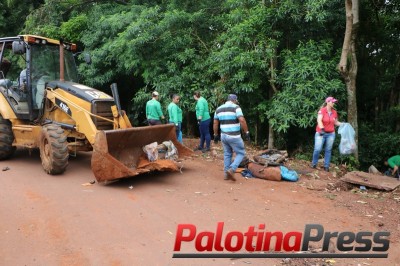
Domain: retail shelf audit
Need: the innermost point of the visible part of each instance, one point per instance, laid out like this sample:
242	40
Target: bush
375	147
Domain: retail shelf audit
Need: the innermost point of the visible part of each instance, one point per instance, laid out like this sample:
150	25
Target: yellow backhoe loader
43	106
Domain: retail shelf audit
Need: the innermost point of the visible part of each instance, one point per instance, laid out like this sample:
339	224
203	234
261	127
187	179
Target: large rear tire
53	149
6	139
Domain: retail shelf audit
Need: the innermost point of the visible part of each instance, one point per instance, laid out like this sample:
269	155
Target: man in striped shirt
229	117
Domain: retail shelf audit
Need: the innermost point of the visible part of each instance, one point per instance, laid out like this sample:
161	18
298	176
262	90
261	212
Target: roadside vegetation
280	57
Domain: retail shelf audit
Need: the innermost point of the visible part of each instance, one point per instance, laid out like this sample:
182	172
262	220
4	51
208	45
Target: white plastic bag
151	151
347	141
172	151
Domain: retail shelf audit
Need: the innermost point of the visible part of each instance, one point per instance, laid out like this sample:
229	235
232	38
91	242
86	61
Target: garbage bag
347	141
272	173
289	175
151	151
172	151
247	173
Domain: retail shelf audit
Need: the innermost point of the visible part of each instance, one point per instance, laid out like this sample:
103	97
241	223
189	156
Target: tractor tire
6	139
53	149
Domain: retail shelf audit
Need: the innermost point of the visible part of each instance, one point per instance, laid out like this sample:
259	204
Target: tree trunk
257	129
376	112
348	64
397	129
272	91
271	138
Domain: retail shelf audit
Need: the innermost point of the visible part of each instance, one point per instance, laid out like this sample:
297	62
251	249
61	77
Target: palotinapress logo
257	242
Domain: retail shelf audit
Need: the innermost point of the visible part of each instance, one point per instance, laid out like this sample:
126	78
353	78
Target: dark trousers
205	136
153	122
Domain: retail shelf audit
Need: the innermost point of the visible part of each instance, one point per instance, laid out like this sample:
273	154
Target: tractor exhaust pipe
115	94
61	60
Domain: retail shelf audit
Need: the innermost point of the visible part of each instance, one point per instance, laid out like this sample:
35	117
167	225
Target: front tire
6	139
53	149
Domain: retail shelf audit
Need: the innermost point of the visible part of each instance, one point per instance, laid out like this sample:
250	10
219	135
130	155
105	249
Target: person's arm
392	163
216	127
159	111
201	108
174	114
147	110
395	170
242	120
337	123
243	124
319	121
169	111
180	114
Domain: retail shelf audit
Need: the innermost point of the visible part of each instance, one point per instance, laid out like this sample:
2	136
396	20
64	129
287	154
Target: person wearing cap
229	118
325	132
175	116
154	113
203	120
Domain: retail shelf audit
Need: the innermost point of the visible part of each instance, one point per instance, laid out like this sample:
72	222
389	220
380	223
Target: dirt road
55	220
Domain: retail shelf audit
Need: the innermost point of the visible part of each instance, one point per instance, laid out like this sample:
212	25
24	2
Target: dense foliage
279	56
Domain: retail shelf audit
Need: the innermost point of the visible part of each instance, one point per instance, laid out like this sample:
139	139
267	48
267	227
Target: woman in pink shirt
325	132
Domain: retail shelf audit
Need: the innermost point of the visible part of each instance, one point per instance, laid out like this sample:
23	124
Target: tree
306	78
13	14
280	57
348	63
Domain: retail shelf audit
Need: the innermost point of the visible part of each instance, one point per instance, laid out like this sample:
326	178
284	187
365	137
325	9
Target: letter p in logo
187	238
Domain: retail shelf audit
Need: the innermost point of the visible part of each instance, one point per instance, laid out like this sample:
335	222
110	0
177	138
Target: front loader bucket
119	153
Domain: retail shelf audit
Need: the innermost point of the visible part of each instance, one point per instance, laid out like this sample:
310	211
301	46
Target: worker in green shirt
175	116
203	120
154	113
394	163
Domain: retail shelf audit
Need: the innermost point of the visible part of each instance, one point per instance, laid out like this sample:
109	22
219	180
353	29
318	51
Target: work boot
314	166
326	169
205	150
197	149
230	174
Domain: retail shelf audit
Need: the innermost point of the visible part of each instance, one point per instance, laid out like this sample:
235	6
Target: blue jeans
178	131
180	137
231	145
327	139
205	136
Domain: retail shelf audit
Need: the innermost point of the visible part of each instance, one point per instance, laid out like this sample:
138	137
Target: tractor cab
27	64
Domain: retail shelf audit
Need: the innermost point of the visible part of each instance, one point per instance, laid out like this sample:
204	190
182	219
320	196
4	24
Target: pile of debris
268	164
271	157
165	150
